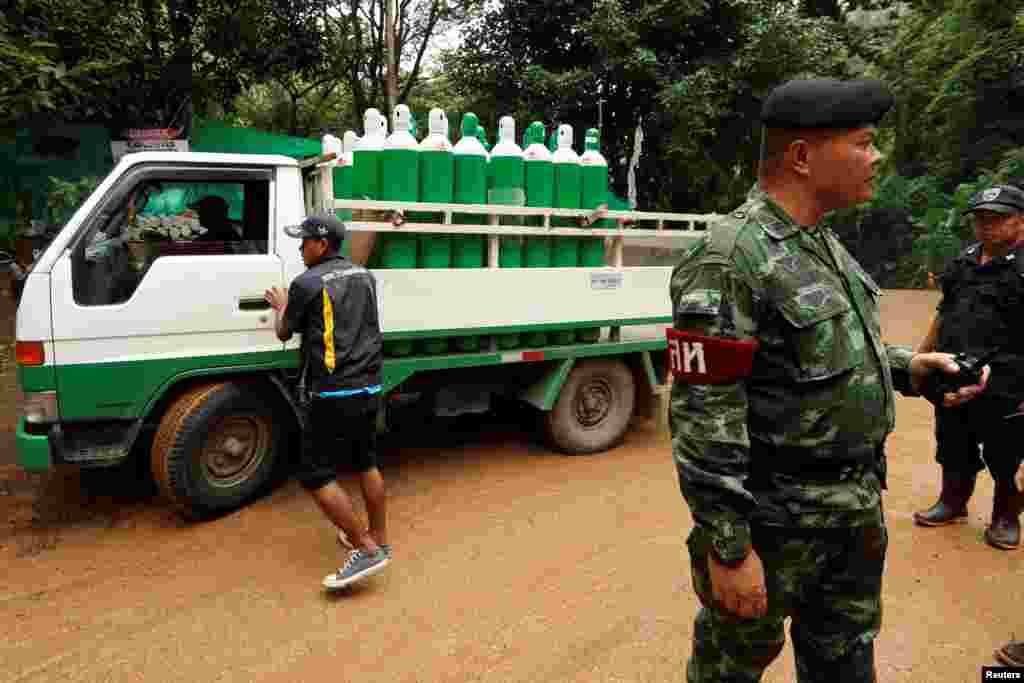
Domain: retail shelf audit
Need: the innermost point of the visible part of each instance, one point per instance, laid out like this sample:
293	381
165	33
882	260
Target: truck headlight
40	407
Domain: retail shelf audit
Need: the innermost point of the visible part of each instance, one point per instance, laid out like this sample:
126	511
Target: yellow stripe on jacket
329	359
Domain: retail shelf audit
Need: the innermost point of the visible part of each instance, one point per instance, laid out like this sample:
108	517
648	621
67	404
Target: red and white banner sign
152	133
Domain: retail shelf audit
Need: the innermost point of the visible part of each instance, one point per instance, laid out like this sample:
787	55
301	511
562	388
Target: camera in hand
942	383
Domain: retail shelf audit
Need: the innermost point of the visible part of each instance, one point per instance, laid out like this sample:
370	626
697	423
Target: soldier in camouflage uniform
782	399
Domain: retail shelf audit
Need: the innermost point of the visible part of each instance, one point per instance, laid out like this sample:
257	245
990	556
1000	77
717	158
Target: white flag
638	140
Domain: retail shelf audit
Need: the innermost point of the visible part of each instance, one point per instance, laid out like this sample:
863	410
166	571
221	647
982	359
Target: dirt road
511	564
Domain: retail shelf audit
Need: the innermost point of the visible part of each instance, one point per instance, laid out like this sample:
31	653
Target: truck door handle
253	304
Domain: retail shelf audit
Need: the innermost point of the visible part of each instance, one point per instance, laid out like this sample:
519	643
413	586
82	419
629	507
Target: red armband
697	359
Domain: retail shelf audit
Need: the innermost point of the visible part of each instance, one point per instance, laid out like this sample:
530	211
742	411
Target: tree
269	107
361	54
147	62
957	68
695	72
62	57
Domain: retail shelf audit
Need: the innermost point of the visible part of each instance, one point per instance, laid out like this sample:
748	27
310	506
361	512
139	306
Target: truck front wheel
215	448
594	407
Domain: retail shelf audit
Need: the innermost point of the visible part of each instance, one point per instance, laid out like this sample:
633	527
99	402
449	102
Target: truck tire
216	448
593	409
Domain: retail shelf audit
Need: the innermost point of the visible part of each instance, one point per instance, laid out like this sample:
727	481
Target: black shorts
341	436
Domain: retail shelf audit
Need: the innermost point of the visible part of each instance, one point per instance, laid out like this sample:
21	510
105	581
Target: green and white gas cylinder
437	184
539	177
343	174
400	169
508	189
414	126
565	253
481	135
366	157
470	188
400	182
507	172
330	144
593	193
567	188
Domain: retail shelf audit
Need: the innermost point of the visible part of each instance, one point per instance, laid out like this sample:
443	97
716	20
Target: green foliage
955	68
61	57
937	216
65	196
1011	168
359	55
269	107
8	235
714	107
695	73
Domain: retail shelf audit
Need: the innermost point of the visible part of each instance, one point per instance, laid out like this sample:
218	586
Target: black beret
826	103
1001	199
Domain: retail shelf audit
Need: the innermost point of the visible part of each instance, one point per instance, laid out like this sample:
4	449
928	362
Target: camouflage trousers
828	581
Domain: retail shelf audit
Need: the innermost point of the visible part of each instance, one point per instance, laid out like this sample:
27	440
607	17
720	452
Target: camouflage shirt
796	443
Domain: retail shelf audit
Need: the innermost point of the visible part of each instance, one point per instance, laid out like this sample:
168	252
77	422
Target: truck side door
129	316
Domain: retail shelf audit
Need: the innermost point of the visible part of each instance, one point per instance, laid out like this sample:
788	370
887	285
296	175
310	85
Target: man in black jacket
333	305
982	311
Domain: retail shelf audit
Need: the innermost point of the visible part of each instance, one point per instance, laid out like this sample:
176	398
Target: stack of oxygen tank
396	167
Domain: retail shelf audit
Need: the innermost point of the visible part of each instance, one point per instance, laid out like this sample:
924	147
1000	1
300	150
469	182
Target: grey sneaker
343	539
359	566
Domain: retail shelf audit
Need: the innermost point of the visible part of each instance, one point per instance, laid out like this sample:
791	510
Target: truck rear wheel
216	448
593	409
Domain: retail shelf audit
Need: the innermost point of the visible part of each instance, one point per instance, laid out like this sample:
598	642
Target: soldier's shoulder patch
699	302
700	359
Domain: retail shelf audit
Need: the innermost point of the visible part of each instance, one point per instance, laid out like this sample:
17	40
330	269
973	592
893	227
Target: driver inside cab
213	215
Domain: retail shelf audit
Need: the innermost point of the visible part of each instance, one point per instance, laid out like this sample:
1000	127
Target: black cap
1001	199
826	103
317	227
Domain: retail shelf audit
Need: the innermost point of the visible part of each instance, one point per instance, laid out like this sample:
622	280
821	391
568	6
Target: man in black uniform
333	305
982	311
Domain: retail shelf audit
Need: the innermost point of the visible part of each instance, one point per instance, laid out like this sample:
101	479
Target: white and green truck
166	350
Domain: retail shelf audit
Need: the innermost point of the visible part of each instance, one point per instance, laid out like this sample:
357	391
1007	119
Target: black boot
957	489
1004	532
